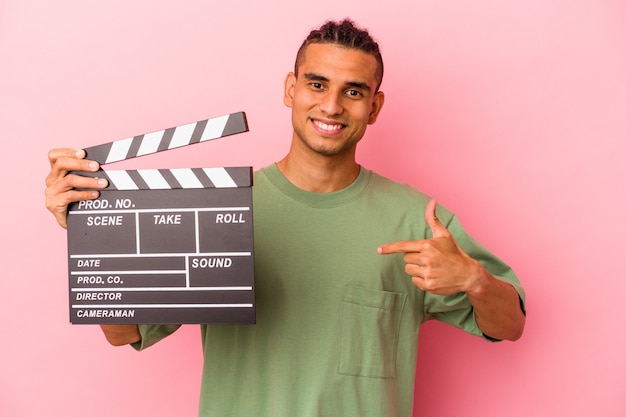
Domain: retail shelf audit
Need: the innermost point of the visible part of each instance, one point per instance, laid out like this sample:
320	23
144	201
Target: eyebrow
356	84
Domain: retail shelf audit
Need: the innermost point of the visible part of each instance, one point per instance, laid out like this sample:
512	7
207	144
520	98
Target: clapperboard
164	245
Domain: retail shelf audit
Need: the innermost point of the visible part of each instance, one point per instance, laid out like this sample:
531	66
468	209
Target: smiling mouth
327	128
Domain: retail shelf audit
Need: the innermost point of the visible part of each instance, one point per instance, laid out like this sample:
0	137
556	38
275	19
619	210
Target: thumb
436	226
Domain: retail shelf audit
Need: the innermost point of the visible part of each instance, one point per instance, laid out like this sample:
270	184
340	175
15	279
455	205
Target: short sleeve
456	310
152	333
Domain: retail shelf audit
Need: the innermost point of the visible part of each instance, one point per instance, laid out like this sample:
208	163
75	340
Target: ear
290	85
377	105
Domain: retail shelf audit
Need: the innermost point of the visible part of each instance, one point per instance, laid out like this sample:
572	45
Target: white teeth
324	126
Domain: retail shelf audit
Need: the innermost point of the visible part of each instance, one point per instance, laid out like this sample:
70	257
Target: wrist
478	279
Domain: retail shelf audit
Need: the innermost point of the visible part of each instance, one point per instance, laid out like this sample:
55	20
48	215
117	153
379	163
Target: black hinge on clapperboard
164	246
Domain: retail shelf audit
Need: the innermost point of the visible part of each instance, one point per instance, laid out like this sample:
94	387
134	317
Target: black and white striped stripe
171	138
175	178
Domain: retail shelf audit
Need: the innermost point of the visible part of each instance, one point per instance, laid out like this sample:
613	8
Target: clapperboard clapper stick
164	245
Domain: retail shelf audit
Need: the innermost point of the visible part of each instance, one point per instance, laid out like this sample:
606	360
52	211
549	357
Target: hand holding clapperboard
164	245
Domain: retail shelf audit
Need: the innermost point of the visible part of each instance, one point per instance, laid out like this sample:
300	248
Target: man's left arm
440	266
497	306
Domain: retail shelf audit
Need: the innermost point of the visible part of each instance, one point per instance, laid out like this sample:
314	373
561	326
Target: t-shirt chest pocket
369	332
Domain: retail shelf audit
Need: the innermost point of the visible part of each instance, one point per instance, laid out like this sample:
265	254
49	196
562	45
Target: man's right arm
60	192
121	334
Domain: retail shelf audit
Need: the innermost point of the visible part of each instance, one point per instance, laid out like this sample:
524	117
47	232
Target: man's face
333	99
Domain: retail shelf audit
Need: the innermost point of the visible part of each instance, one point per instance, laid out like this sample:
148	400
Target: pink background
513	114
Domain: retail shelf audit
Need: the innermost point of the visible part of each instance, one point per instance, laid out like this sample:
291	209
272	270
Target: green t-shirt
337	324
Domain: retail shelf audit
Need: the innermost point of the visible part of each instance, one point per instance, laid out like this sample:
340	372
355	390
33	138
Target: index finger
55	154
402	246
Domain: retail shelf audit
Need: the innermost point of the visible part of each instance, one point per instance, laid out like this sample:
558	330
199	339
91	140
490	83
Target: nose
331	103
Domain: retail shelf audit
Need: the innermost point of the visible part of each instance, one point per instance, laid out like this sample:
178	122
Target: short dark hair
347	34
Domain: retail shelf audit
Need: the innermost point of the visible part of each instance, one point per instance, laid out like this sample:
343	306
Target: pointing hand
437	265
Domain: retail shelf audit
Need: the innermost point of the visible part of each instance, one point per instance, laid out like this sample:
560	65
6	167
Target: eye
354	93
316	85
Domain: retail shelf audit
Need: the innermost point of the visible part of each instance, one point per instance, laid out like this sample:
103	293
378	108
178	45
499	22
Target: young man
337	315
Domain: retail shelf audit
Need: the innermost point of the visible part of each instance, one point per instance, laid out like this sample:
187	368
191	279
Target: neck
319	173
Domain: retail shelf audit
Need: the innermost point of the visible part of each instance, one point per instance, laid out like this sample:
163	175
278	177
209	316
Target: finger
55	154
419	282
79	181
74	181
61	165
403	246
432	220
